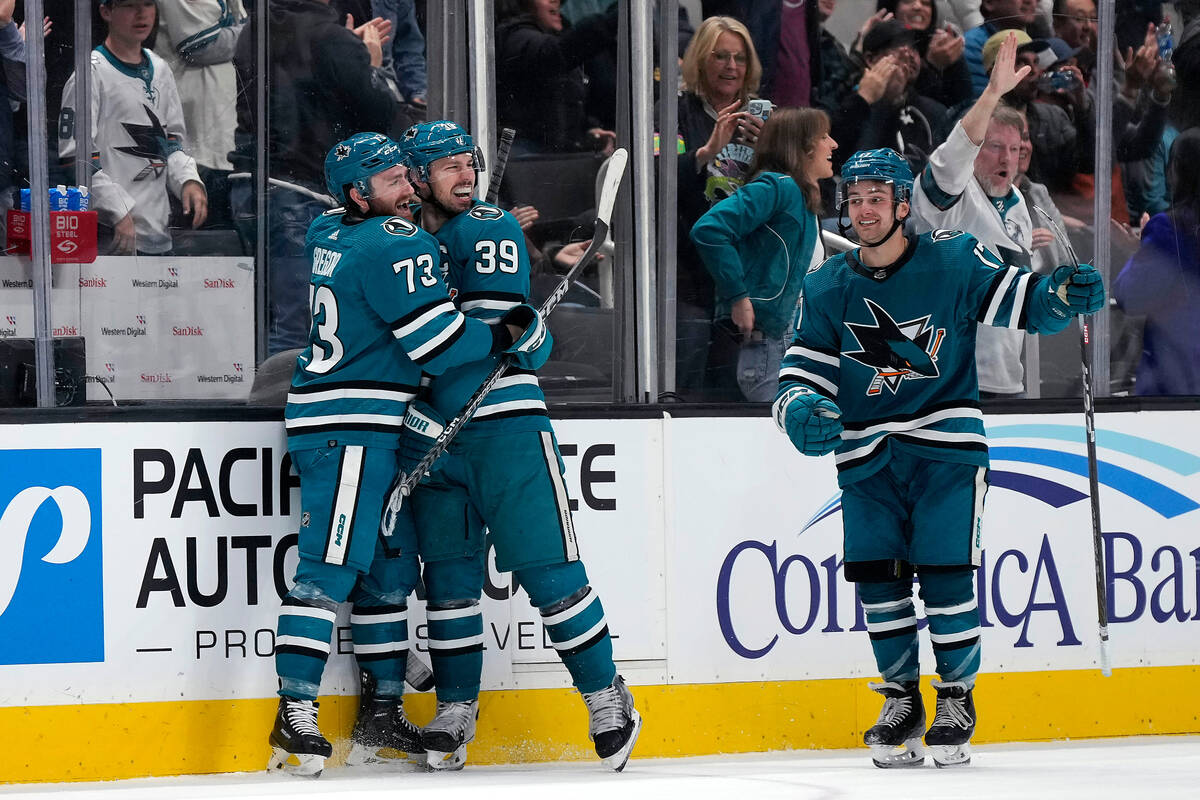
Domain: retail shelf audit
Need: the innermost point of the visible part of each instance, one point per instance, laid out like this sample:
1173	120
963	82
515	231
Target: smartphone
760	109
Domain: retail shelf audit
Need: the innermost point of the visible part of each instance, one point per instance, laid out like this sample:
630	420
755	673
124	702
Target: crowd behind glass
901	79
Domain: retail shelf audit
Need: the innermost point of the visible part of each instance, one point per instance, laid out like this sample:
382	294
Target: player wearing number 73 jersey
381	316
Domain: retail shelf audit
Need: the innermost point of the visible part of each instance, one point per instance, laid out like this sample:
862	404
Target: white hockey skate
614	724
383	736
446	737
298	748
895	738
949	737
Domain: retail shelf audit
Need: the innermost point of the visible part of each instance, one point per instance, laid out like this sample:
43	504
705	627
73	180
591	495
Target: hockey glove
810	421
1081	288
532	349
422	426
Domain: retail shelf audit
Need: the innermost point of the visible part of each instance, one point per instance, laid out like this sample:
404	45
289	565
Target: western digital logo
51	571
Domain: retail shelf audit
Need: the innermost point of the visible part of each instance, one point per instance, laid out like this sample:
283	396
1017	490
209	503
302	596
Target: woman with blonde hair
717	134
759	243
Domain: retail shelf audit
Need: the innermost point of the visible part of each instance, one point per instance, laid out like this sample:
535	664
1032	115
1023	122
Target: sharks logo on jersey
150	142
897	351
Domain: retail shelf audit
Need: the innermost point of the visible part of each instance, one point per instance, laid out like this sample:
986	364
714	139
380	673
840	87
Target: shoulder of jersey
392	232
484	214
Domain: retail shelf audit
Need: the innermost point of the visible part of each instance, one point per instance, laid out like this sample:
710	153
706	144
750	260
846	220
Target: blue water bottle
72	198
58	198
25	200
84	198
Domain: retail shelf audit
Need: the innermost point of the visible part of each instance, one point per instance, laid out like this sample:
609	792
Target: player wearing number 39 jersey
381	316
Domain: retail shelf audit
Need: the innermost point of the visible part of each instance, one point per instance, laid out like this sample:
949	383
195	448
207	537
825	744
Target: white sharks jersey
947	196
137	153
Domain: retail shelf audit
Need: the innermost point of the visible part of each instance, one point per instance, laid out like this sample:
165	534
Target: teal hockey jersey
381	315
894	347
486	266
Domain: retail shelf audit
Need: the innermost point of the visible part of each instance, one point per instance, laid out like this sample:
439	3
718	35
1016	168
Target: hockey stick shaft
1089	421
608	197
503	148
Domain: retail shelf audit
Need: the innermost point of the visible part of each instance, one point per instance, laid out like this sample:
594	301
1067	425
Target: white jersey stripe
389	420
383	647
515	380
452	644
308	611
509	405
443	614
378	619
811	377
1010	275
492	305
923	433
813	355
1019	300
891	624
297	398
418	352
302	641
569	613
970	605
951	638
432	314
575	641
890	605
962	412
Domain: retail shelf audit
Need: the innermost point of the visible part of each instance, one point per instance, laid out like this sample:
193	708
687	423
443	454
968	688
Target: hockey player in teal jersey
502	471
381	315
881	372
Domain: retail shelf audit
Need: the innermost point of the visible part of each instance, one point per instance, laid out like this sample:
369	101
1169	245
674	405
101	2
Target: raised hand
1005	76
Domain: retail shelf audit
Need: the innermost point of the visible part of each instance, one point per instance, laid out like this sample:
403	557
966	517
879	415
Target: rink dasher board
713	545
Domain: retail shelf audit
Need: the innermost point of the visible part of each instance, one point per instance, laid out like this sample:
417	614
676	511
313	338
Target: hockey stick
404	483
1089	420
502	150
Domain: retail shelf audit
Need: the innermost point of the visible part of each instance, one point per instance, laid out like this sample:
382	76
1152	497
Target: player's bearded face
391	193
452	182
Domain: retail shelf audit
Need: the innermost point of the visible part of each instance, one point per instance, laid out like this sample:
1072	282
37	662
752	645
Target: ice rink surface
1142	768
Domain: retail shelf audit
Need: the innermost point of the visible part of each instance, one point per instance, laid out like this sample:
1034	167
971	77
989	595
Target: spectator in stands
786	37
721	72
1075	23
1185	109
138	135
197	38
402	68
1162	281
943	76
541	89
997	15
839	72
968	186
12	51
967	14
321	92
758	245
1048	251
1054	135
886	110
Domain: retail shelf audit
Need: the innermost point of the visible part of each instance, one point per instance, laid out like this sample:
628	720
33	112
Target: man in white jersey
137	150
968	186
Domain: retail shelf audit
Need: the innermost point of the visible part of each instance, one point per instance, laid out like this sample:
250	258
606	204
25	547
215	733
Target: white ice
1142	768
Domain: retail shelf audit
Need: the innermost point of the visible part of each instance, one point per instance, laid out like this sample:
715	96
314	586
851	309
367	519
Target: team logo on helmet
342	151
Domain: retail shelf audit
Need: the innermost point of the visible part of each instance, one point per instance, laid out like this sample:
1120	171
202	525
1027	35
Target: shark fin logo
897	351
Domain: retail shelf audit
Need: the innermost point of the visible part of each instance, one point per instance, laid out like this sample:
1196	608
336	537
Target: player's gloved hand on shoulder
810	420
422	426
532	348
1080	288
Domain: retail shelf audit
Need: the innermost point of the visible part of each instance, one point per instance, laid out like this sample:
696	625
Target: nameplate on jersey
325	261
486	213
398	226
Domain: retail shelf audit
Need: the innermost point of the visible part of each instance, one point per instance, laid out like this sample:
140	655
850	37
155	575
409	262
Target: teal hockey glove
810	420
1080	288
532	349
422	425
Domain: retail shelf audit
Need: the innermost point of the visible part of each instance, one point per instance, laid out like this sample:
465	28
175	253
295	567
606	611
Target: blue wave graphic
1178	461
1162	499
1049	492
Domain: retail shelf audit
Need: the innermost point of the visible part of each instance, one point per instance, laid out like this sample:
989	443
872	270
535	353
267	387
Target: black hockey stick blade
402	486
503	148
